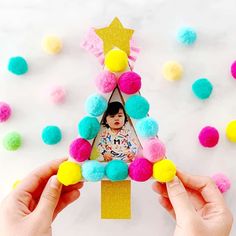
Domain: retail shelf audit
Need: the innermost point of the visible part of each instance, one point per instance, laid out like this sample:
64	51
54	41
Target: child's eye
120	116
112	116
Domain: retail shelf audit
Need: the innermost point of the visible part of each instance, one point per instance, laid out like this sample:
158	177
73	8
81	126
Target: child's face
116	121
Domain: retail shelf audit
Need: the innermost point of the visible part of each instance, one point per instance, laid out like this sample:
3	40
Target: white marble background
22	27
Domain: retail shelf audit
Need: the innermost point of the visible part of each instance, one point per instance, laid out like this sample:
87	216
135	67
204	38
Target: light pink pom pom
57	94
106	82
222	182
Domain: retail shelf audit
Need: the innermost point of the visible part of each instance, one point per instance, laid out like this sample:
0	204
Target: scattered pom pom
172	71
129	82
147	127
233	69
80	149
202	88
208	137
116	60
154	150
116	170
17	65
231	131
187	35
51	135
137	107
12	141
106	82
52	44
69	173
93	171
16	183
88	127
164	171
222	182
5	111
96	105
140	169
57	94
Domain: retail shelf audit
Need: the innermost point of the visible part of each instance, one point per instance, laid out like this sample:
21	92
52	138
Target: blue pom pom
147	127
137	107
93	170
96	105
51	135
187	35
17	65
202	88
116	170
88	127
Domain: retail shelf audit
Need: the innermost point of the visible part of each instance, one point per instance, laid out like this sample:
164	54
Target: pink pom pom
209	136
106	81
140	169
5	111
154	150
222	182
57	94
80	149
129	82
233	69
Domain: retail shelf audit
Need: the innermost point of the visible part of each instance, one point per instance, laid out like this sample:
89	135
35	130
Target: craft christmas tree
117	140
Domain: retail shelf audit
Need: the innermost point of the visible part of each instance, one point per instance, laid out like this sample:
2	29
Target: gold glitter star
115	35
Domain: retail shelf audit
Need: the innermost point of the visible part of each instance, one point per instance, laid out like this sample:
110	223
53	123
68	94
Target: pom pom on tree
202	88
222	182
80	149
69	173
140	169
116	170
52	44
208	137
172	71
12	141
51	135
231	131
129	82
17	65
233	69
187	35
5	111
147	127
106	81
93	170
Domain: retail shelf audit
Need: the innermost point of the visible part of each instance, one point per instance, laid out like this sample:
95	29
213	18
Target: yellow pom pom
172	71
52	44
164	170
15	184
69	173
116	60
231	131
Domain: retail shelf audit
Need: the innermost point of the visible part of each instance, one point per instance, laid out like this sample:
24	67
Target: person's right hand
196	204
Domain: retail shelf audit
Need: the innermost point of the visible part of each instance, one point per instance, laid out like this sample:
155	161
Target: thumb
50	197
179	199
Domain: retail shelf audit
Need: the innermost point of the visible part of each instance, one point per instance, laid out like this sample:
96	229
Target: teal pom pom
93	170
51	135
96	105
88	127
202	88
147	127
116	170
17	65
187	35
137	107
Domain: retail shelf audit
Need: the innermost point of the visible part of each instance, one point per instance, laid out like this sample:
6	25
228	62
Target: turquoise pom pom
202	88
116	170
147	127
187	35
137	107
88	127
96	105
17	65
93	170
51	135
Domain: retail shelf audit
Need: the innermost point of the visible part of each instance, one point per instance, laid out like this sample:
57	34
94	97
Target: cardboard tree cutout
118	139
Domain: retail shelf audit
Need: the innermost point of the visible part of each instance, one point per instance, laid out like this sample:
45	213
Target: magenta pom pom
129	82
140	169
80	149
222	182
106	82
233	69
154	150
5	111
208	137
57	94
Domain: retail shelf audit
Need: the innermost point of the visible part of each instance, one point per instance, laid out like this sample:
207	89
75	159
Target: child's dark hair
112	109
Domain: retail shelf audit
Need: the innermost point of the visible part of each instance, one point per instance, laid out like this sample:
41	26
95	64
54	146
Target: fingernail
54	183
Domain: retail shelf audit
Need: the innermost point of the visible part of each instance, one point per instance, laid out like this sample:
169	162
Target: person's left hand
31	208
